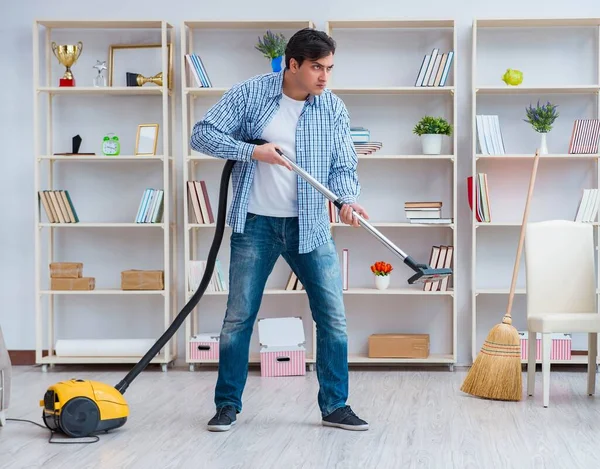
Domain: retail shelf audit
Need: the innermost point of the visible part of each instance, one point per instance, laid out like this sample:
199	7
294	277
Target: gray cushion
5	367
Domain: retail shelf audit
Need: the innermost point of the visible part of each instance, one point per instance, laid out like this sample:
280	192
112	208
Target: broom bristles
496	372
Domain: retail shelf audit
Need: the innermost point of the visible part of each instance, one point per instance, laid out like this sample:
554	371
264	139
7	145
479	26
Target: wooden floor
419	419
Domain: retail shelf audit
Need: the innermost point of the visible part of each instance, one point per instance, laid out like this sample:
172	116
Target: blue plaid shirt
324	149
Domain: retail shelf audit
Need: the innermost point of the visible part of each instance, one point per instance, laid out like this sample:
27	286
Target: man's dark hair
308	44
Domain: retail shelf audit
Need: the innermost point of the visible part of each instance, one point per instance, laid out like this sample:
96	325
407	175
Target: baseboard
23	357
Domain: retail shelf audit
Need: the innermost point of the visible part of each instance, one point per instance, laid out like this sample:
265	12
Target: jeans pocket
251	216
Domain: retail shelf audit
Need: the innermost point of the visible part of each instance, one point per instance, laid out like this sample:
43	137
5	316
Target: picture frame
145	59
146	140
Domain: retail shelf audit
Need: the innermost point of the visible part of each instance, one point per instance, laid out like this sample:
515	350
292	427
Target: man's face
313	75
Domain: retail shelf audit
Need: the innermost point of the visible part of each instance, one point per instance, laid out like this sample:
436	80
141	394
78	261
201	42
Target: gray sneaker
223	419
345	418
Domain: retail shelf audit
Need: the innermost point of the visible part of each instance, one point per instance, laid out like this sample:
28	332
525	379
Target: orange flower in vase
382	272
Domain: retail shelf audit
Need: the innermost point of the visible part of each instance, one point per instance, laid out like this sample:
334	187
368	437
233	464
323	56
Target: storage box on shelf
82	209
504	145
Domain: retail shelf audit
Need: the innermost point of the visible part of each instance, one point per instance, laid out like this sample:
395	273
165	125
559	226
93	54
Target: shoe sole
220	428
346	427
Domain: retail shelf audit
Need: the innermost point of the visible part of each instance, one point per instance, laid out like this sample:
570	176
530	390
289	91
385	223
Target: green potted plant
272	47
432	130
541	119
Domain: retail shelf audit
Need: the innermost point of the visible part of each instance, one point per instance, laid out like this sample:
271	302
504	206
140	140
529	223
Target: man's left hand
346	214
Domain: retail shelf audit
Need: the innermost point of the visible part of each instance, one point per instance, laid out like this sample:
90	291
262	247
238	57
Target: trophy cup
67	55
136	79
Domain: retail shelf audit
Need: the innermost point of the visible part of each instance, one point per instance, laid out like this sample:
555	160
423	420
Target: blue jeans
253	256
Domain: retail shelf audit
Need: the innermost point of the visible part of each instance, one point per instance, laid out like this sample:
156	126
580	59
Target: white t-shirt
274	190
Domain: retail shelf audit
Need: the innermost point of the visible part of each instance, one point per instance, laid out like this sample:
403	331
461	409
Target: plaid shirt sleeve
212	135
343	179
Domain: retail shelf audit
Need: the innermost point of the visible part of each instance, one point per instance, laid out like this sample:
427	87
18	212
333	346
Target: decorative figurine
100	79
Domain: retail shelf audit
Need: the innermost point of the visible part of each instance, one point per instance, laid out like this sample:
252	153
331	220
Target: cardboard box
560	350
75	284
204	346
282	347
66	270
142	280
399	346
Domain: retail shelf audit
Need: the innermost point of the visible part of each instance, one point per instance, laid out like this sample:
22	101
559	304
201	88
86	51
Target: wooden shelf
101	91
101	225
561	156
109	291
525	89
390	24
248	24
96	158
442	359
394	90
108	24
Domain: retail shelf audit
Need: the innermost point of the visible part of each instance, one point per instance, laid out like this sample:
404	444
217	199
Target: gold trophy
67	55
137	79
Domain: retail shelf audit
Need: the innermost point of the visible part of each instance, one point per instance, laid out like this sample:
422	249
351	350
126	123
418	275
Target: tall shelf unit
384	98
427	177
212	41
543	49
104	215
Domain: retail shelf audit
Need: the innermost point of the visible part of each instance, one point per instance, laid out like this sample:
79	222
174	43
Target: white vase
543	145
382	281
432	144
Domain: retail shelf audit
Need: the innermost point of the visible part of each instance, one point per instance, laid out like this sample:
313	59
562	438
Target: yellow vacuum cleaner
80	408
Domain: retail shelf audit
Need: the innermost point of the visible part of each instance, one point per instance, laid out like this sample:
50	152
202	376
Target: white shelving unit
211	40
541	49
382	97
60	113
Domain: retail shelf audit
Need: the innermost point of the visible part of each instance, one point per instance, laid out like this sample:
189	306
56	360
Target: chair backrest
560	267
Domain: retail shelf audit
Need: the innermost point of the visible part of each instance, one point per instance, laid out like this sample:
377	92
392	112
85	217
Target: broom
496	372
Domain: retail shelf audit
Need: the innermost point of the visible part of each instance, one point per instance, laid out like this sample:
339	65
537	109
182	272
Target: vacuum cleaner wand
424	272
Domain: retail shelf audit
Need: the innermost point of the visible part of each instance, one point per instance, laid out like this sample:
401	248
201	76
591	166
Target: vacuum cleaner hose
191	304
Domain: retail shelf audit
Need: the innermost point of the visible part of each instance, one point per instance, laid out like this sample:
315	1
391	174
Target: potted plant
272	47
541	119
382	271
432	130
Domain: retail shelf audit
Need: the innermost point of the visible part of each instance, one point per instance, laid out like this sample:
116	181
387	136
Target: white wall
16	236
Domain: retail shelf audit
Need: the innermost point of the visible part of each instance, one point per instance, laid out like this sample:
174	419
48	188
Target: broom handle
507	317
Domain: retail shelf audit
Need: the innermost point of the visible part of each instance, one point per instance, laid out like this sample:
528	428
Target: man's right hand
267	153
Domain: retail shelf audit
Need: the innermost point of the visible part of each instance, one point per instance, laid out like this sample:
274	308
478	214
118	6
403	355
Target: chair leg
592	354
546	347
531	361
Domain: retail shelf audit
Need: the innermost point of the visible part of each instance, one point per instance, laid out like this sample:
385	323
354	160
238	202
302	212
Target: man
275	212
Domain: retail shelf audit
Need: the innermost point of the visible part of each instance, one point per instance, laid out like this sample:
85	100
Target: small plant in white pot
432	130
382	271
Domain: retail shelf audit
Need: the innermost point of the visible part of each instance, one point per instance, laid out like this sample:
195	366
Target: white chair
561	292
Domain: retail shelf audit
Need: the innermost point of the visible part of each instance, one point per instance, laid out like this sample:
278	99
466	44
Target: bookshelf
379	103
560	61
99	225
384	98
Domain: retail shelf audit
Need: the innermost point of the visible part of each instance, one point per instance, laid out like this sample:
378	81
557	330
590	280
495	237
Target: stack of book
425	213
151	206
434	68
588	206
197	68
361	137
200	208
196	272
58	206
440	258
489	135
482	197
294	282
584	138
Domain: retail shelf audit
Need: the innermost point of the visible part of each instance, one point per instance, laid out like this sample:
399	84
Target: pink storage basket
561	346
204	347
282	350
